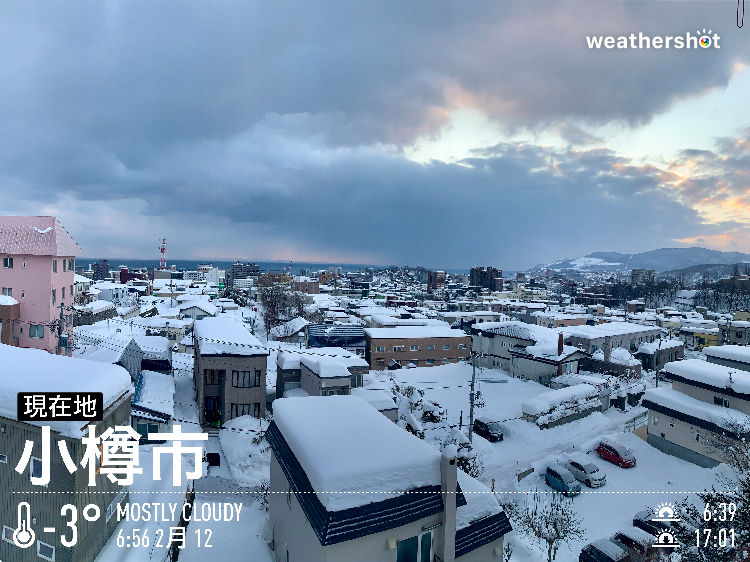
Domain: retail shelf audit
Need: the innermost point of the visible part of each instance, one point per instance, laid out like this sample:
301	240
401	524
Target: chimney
448	487
560	344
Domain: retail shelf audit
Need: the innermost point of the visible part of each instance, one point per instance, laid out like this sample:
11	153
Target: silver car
587	472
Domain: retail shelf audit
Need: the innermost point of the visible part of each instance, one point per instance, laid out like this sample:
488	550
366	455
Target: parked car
560	478
615	453
636	541
603	550
645	520
587	472
488	429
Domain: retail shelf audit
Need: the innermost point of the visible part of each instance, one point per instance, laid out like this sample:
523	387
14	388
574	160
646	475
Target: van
488	429
561	479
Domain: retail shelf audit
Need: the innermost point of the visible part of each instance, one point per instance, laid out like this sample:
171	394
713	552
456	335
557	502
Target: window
655	420
45	551
213	375
8	534
461	346
7	292
245	379
238	410
35	467
414	362
71	290
430	348
698	437
380	361
357	381
446	346
36	331
54	266
8	263
24	265
446	360
414	348
65	265
62	294
739	335
70	265
54	296
398	348
430	361
415	549
721	401
514	361
380	348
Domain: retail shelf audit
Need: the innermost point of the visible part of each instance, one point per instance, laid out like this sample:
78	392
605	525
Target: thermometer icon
23	536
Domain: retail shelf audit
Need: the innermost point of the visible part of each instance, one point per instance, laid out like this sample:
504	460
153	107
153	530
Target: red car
616	454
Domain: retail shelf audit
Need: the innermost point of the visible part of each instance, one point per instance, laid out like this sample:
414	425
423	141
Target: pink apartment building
38	268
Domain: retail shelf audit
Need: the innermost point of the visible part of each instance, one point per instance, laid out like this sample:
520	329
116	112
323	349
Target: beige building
422	346
705	402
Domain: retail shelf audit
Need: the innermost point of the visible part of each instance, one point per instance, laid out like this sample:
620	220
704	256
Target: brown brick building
424	346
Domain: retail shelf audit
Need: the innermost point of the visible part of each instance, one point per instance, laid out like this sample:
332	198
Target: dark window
245	379
739	335
54	266
238	410
212	376
8	263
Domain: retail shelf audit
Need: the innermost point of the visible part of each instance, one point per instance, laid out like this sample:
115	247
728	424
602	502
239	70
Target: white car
587	472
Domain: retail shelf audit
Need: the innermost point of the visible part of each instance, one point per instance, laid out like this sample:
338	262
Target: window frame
54	266
8	262
379	349
446	346
39	544
3	537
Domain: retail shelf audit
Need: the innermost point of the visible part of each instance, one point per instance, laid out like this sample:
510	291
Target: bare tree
550	520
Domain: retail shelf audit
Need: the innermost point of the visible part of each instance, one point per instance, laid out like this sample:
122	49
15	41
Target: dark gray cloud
283	122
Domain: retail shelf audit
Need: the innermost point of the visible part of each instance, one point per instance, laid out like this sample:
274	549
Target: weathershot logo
703	39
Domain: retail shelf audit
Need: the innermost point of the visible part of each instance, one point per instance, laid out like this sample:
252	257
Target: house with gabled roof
355	486
38	271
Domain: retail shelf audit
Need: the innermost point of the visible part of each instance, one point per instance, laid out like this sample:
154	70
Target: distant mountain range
665	259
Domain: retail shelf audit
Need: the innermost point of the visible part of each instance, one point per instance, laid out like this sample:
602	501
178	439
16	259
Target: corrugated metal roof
481	532
36	236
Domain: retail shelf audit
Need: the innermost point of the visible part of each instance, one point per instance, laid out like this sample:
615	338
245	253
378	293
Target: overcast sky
447	134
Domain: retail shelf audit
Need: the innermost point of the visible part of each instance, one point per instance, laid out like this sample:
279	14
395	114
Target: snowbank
248	462
546	401
352	454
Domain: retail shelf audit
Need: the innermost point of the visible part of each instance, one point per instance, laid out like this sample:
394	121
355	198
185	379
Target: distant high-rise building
642	276
242	271
101	270
435	280
489	278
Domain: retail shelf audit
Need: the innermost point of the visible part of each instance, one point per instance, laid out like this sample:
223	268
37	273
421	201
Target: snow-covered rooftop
410	332
226	336
352	454
606	329
7	301
39	371
738	353
711	374
325	367
294	326
157	392
378	399
480	501
289	359
718	415
651	348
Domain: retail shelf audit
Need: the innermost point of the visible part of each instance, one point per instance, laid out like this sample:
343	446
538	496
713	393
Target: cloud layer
277	130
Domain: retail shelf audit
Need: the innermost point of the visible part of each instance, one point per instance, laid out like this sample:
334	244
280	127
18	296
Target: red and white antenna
163	251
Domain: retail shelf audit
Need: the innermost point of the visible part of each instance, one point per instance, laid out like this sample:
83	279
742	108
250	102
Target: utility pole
471	394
